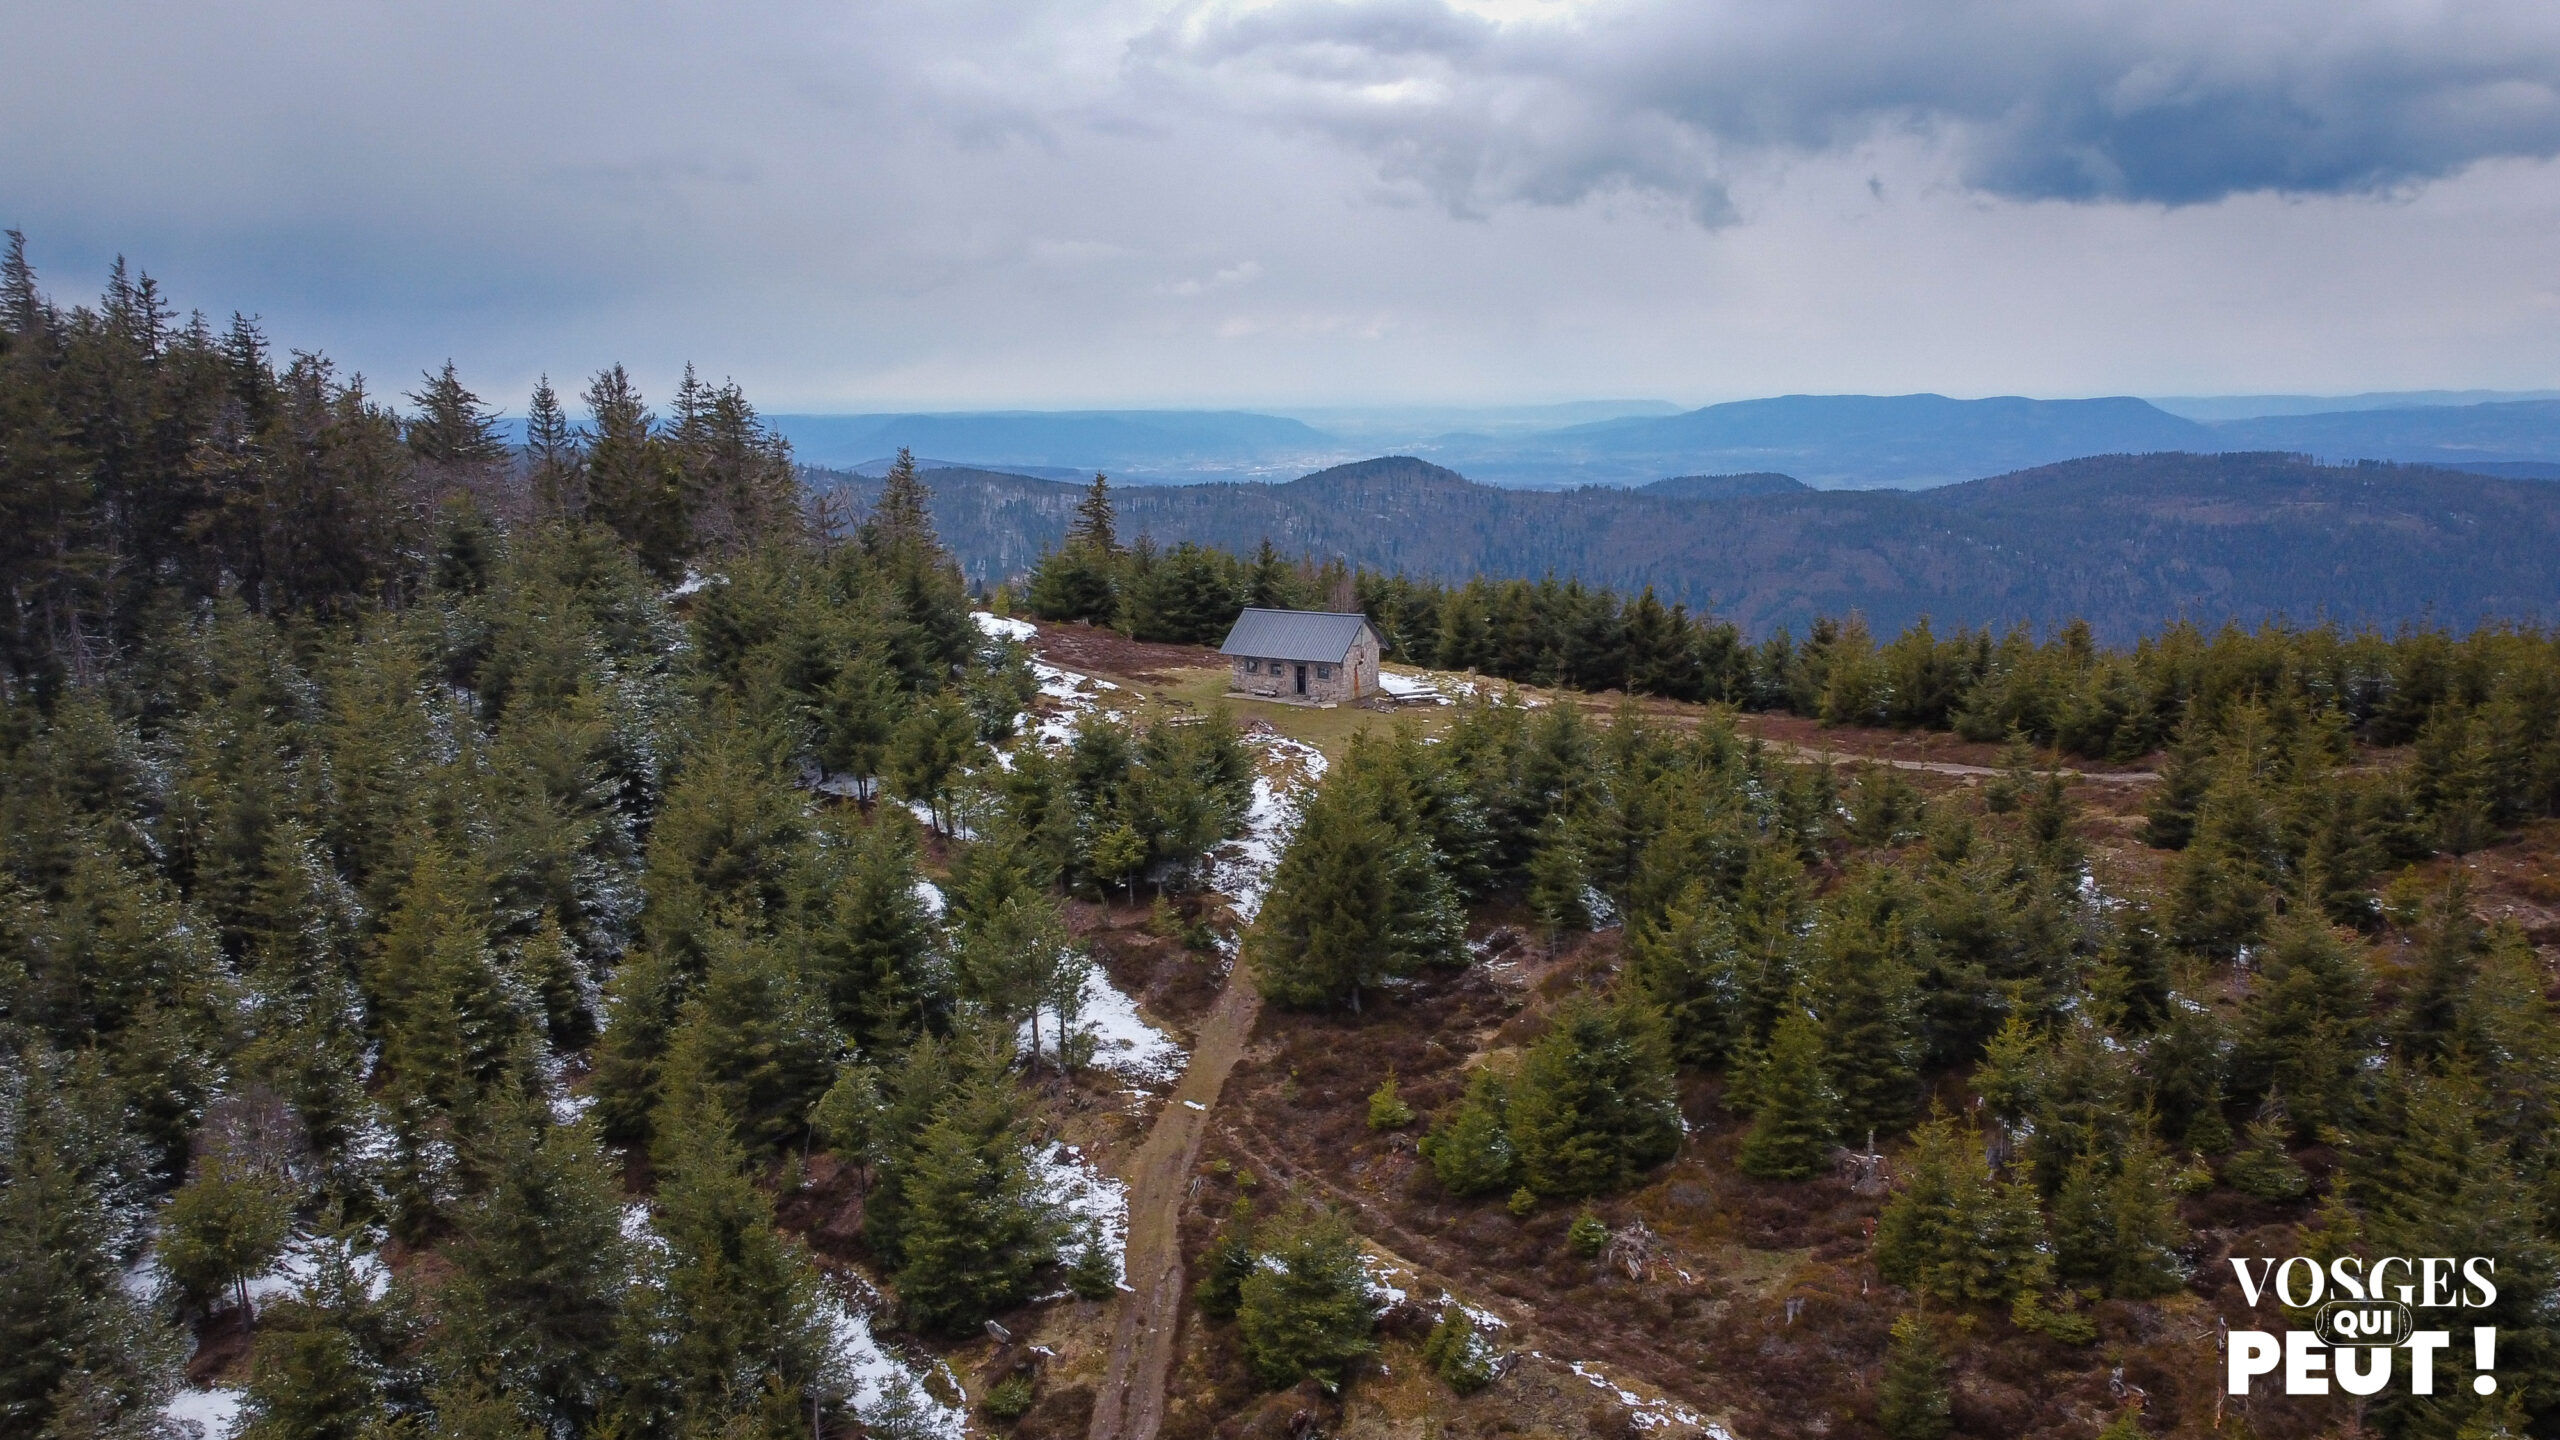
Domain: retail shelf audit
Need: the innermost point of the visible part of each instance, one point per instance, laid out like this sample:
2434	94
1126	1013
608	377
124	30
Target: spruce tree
975	1231
1469	1150
1795	1111
1913	1401
540	1270
1457	1352
1558	883
870	944
1304	1311
1593	1105
2306	1028
224	1227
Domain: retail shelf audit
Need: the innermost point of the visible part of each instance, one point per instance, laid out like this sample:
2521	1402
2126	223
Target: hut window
1324	672
1253	667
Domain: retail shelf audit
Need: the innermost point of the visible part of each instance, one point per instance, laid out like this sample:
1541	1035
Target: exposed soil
1130	1402
1096	651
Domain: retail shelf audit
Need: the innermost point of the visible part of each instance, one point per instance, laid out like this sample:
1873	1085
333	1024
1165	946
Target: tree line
484	857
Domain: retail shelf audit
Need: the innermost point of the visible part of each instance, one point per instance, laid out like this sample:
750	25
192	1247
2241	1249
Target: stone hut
1305	657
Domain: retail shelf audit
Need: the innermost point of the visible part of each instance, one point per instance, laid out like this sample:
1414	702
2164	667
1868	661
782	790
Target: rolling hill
2127	542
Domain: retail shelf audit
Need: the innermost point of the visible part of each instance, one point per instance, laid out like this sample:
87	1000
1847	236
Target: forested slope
2127	543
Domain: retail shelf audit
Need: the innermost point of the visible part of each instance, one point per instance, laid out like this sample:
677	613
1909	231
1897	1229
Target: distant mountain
1724	487
2520	430
2127	542
2209	408
1832	442
1139	446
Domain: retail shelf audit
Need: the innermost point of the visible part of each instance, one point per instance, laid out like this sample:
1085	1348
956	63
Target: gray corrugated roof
1319	635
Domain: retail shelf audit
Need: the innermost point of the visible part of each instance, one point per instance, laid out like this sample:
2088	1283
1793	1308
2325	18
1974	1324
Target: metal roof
1319	635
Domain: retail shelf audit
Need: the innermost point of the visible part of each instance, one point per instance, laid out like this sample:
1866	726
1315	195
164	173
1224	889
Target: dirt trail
1130	1404
1949	767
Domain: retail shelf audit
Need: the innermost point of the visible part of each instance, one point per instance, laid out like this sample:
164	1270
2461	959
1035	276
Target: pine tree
554	464
870	952
733	1309
1913	1401
317	1370
2305	1028
1305	1311
1955	1232
1387	1110
2264	1166
1870	1024
753	1047
928	752
1594	1105
1230	1258
1796	1113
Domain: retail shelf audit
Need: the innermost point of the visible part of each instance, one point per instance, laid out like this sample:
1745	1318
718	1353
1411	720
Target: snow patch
1647	1414
929	895
1123	1042
299	1265
1241	869
1085	1197
877	1383
206	1414
1001	627
1411	687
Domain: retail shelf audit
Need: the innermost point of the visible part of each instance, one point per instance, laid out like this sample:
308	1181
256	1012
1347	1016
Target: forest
591	938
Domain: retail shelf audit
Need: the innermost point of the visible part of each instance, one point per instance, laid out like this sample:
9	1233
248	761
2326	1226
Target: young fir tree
1324	930
319	1368
732	1311
1469	1150
754	1045
1593	1105
1795	1111
1558	884
1304	1310
975	1231
1230	1258
2264	1166
541	1271
2306	1027
1457	1352
1954	1231
1387	1110
224	1226
1913	1401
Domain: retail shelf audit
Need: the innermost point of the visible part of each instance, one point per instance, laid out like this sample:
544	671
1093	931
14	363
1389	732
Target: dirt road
1949	767
1130	1404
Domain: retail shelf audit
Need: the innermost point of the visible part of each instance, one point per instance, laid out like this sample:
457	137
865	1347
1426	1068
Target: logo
2363	1323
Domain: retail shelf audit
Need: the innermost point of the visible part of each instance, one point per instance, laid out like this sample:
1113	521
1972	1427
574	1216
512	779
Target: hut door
1302	679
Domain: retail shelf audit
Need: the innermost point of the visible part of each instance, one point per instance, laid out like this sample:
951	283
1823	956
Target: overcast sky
972	203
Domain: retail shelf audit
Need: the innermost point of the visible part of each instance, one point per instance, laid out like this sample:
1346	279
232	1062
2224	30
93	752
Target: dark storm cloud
2175	103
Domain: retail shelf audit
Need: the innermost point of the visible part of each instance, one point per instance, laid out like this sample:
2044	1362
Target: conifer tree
1688	964
1593	1105
1955	1232
540	1270
731	1311
318	1369
754	1046
1795	1111
2264	1166
1456	1351
974	1231
1304	1311
869	951
554	464
2305	1028
1469	1150
1913	1401
1558	882
1230	1258
224	1226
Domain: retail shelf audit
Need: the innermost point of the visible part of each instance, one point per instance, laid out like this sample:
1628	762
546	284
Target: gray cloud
2175	103
885	204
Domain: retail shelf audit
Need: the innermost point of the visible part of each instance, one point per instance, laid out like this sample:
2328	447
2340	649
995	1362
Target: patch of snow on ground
1411	687
1000	627
1241	870
300	1262
1071	1185
931	896
878	1381
1648	1414
209	1414
1123	1042
694	583
1383	1289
